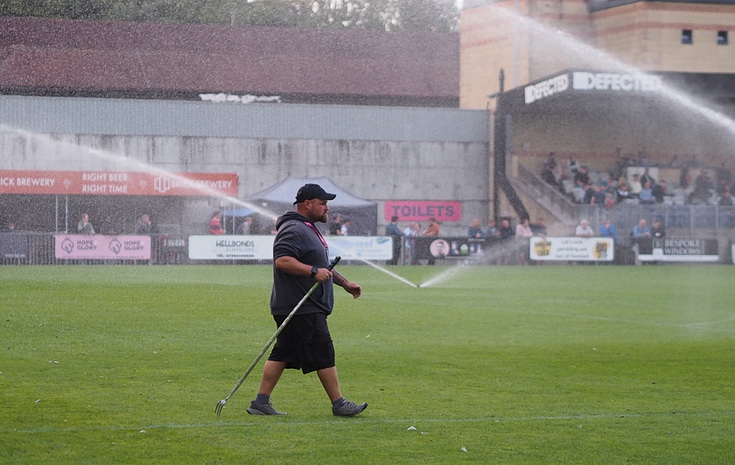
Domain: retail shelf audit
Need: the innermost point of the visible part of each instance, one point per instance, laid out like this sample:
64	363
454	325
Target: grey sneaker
263	409
348	409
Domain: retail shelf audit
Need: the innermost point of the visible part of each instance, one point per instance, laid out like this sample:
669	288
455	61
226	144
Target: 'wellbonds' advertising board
225	247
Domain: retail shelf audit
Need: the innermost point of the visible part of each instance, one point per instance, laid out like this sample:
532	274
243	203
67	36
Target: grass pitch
526	365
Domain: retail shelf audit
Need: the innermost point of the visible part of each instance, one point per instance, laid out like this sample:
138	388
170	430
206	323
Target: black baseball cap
312	191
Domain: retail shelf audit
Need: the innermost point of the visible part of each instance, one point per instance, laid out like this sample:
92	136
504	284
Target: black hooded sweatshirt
299	238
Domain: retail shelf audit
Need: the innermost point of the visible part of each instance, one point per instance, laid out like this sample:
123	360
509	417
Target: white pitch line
363	421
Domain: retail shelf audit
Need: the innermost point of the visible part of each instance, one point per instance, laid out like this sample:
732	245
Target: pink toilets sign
99	247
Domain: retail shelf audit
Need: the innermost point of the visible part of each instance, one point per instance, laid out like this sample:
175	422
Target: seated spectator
635	185
505	230
582	176
725	197
599	196
584	229
641	229
539	228
659	191
607	229
523	229
645	196
622	193
491	230
657	229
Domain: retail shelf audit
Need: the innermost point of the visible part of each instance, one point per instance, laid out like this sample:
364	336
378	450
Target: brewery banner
677	250
155	183
226	247
593	249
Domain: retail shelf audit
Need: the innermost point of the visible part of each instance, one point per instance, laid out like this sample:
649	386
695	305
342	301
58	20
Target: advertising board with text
99	247
593	249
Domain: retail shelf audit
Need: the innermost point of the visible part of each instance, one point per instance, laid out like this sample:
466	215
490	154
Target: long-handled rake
221	404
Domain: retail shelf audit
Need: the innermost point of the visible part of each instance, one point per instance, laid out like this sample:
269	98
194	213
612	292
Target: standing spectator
584	229
549	171
635	185
505	230
392	230
523	229
607	229
491	230
659	191
215	225
334	227
657	229
143	225
243	228
108	227
345	229
84	226
647	178
10	228
432	229
641	229
411	232
725	198
539	228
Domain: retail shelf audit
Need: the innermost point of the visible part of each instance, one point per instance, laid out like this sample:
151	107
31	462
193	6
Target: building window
686	36
721	37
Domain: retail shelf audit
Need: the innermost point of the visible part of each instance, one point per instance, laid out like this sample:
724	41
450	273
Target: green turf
511	365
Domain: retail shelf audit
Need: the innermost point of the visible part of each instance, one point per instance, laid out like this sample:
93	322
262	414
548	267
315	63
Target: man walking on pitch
301	257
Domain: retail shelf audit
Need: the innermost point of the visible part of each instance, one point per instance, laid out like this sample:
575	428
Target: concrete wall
414	154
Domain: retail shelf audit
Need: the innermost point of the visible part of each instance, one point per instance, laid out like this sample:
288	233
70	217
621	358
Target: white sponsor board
594	249
226	247
361	247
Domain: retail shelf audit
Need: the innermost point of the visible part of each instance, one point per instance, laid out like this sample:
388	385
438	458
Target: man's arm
347	285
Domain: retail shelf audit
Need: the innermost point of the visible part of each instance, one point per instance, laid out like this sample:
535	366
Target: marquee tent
363	214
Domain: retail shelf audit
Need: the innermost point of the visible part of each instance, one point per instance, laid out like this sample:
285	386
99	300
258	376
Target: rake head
220	404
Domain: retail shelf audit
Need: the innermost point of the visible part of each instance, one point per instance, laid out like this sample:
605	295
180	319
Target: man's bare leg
330	382
272	372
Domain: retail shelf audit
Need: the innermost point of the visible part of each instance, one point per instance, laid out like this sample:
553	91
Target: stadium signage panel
678	250
13	246
417	210
546	88
226	247
100	247
616	82
593	249
118	183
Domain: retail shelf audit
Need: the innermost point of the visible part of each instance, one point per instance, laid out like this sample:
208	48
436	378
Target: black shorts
305	343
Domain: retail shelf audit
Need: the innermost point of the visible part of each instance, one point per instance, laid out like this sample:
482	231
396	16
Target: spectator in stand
584	229
657	229
413	230
10	228
215	224
645	196
523	229
474	234
607	229
505	230
659	191
84	226
622	193
491	230
599	196
725	198
432	229
703	189
647	178
635	185
549	170
539	228
641	229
